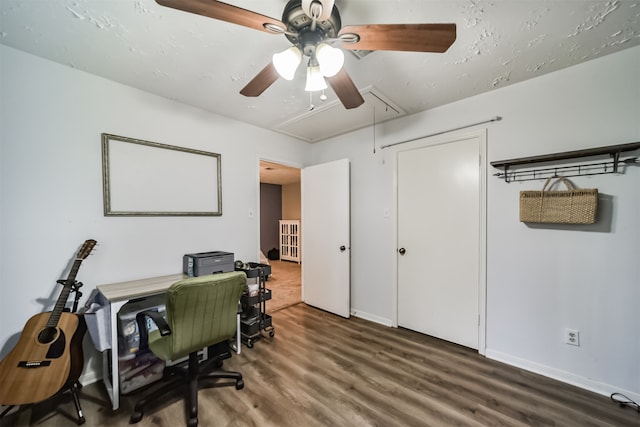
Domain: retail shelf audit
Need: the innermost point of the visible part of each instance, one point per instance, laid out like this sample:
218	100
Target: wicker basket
573	206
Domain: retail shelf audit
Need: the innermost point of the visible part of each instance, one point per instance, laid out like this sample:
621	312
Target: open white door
326	239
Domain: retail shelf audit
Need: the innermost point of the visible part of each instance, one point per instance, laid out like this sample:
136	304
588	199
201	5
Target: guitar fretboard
64	295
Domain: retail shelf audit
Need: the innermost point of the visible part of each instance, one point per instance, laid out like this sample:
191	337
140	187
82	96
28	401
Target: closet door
439	240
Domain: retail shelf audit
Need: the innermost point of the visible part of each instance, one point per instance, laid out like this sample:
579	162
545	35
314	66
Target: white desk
118	294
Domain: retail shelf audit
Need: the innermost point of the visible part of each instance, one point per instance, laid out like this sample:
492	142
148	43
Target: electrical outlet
572	337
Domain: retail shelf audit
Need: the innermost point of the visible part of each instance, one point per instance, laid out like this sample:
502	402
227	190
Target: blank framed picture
143	178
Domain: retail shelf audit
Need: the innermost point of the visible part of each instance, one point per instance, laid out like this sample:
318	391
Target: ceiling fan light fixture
330	59
309	23
315	79
287	61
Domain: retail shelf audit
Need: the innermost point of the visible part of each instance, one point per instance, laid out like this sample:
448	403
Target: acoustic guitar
48	356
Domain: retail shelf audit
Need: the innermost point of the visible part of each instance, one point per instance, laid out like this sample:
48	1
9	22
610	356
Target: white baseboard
371	317
560	375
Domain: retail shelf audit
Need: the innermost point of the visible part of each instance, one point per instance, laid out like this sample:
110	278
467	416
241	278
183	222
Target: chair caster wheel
135	417
239	385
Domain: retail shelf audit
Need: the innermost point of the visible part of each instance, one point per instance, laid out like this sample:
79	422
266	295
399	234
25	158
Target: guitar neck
64	295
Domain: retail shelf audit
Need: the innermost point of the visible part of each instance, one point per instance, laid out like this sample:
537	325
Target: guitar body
43	363
48	356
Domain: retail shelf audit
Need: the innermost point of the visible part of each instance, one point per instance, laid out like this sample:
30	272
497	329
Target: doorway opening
280	200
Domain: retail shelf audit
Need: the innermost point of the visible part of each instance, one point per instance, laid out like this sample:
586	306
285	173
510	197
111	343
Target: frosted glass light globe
330	59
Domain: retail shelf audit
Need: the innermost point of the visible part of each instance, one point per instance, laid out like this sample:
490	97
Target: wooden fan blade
261	81
223	12
347	92
403	37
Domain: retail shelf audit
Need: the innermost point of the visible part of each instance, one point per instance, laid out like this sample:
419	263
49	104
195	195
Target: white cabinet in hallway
290	240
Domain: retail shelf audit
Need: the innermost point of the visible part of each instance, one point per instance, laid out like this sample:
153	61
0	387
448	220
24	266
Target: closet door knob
343	248
402	251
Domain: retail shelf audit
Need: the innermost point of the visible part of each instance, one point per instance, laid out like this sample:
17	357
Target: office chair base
136	417
191	378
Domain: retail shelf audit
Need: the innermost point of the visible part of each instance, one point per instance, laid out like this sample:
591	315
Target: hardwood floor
285	284
323	370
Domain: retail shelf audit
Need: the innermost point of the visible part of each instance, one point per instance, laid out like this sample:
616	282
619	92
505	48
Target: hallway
285	284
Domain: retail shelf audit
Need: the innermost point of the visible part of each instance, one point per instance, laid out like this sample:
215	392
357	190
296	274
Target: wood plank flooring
323	370
285	284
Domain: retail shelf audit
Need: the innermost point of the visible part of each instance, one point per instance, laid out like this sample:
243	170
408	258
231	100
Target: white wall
539	280
51	184
291	201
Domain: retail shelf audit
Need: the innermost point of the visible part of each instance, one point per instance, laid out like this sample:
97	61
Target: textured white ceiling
205	63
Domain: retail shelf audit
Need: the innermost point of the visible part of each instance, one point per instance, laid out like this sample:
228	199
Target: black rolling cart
254	319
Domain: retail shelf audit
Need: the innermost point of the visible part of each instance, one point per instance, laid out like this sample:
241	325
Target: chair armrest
157	318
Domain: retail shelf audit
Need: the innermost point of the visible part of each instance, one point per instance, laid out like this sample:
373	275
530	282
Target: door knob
402	251
343	248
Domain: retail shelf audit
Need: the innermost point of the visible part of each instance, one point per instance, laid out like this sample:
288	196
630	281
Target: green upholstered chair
201	312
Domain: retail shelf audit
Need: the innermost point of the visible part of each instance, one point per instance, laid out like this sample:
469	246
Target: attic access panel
332	119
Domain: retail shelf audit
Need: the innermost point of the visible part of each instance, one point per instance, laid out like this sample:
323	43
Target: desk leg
106	361
112	383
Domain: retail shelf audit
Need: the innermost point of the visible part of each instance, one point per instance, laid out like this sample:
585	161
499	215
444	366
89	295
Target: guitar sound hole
47	335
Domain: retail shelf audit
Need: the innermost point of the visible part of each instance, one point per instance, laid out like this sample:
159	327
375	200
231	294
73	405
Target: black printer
204	263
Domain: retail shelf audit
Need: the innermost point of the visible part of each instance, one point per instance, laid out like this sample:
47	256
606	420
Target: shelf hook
616	159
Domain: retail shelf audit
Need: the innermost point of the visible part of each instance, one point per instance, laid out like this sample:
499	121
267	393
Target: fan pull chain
311	106
374	130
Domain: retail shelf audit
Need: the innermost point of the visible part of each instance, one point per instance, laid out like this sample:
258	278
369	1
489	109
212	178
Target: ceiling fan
312	27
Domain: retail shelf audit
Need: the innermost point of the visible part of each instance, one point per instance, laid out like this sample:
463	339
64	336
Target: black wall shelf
598	168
